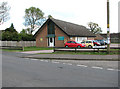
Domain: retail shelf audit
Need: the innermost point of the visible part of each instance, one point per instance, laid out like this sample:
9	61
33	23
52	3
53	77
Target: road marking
95	67
46	61
82	65
69	64
41	60
64	63
26	58
55	62
113	69
34	59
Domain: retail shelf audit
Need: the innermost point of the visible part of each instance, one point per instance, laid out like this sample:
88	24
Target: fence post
53	49
98	50
75	49
22	46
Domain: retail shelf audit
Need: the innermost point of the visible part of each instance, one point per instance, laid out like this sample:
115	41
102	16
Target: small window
69	42
72	42
83	42
89	42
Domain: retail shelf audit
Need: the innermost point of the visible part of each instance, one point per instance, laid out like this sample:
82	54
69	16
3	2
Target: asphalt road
22	72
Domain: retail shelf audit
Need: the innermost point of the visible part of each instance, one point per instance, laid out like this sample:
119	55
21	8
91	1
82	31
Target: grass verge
83	53
28	49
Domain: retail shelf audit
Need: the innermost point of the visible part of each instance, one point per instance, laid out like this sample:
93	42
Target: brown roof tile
71	29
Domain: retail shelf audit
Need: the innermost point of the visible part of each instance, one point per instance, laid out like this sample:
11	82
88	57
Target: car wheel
89	46
79	46
95	44
66	46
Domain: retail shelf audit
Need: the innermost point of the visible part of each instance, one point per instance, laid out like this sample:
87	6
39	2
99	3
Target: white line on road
34	59
69	64
95	67
46	61
113	69
82	65
41	60
64	63
55	62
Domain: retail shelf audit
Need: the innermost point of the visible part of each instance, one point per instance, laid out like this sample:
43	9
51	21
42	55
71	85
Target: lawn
36	48
28	49
83	53
113	51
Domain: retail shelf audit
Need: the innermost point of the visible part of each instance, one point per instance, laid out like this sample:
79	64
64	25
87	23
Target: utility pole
108	28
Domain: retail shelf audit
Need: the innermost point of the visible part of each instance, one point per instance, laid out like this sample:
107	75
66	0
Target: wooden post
53	49
75	49
98	50
22	46
108	28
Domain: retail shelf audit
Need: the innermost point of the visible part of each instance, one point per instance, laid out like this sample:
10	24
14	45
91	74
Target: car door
73	44
87	43
69	44
83	42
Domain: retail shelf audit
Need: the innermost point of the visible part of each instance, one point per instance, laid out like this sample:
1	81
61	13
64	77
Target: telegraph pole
108	28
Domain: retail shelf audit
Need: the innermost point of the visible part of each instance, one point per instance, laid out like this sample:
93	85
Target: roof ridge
66	22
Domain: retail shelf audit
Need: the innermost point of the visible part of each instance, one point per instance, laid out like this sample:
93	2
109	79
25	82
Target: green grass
114	51
36	48
28	49
11	50
83	53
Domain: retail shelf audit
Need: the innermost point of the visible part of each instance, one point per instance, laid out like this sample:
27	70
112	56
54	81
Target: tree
50	16
34	17
11	28
4	12
24	36
94	27
10	34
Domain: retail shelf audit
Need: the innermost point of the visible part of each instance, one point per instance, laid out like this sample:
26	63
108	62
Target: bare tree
94	28
4	12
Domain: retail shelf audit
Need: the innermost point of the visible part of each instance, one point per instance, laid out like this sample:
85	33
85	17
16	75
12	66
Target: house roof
70	29
112	35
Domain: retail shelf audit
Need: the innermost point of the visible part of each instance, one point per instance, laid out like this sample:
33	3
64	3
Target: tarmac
109	62
71	57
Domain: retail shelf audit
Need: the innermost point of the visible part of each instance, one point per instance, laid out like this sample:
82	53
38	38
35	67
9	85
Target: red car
96	43
73	44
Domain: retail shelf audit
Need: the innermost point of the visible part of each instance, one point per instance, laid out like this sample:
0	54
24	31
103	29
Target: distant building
54	33
114	37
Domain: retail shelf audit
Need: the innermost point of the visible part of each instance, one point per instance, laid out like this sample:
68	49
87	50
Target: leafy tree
10	34
11	28
4	12
50	16
94	27
23	31
24	36
33	17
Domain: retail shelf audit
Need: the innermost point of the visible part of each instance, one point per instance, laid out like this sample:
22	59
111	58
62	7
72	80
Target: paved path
35	52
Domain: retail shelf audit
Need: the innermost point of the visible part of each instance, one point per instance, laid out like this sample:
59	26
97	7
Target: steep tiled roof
71	29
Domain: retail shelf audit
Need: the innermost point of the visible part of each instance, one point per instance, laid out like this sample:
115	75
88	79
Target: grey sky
76	11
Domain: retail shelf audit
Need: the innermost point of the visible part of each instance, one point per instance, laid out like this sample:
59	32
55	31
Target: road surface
23	72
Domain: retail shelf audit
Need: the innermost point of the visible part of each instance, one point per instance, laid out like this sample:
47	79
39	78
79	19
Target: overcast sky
76	11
